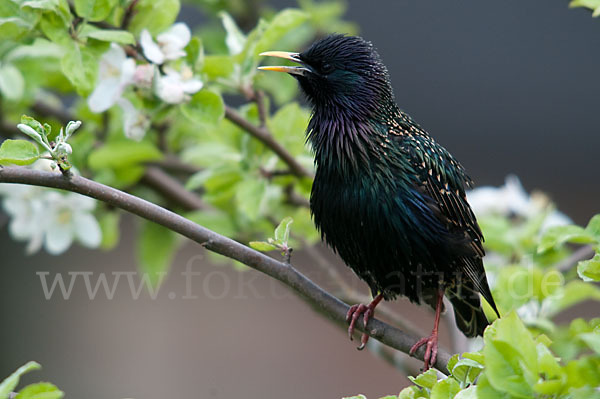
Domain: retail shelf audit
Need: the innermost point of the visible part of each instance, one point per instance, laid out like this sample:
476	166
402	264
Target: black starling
386	197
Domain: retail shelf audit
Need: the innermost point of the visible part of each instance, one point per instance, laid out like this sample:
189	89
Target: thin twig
293	198
320	299
265	136
174	164
259	99
129	13
583	253
172	189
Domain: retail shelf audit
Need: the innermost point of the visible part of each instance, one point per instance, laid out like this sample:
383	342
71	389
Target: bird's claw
430	350
352	317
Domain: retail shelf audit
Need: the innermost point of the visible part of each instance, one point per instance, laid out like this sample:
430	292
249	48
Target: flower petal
127	72
111	62
169	88
104	95
178	36
192	85
78	202
58	238
151	50
87	230
135	123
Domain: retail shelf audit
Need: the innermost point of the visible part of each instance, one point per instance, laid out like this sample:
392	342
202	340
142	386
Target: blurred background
507	87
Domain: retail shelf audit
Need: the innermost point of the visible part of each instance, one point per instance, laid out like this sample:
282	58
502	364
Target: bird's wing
441	179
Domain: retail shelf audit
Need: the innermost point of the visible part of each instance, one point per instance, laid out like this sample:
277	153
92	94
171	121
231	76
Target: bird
386	197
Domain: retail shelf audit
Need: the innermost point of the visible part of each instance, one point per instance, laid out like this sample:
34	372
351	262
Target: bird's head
339	72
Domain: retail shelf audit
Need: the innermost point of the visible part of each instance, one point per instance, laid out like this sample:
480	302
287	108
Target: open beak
293	70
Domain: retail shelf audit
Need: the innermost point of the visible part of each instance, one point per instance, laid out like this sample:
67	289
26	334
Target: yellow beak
294	70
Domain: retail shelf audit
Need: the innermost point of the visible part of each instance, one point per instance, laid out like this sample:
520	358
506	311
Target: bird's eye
326	68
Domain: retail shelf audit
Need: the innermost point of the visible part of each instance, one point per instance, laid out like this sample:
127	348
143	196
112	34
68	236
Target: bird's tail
469	315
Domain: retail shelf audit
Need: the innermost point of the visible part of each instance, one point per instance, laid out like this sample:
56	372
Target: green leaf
79	65
510	357
59	8
592	340
44	5
426	380
56	29
553	380
411	392
249	197
195	53
217	66
445	389
109	224
361	396
593	226
288	126
282	232
593	5
94	10
476	356
589	270
122	154
155	250
452	362
469	393
284	22
485	390
13	27
208	154
214	220
18	152
262	246
558	235
9	384
107	35
12	84
205	107
154	15
467	370
34	124
42	390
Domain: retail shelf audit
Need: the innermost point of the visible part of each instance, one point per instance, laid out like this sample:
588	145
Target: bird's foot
430	350
354	313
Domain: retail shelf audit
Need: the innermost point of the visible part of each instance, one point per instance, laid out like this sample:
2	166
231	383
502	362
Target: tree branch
172	189
320	299
583	253
263	134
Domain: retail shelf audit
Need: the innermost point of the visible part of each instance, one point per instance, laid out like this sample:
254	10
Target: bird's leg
431	341
367	311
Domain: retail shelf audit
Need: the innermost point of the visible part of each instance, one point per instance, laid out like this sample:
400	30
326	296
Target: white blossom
511	199
46	217
27	211
174	87
169	45
144	76
70	218
135	123
115	73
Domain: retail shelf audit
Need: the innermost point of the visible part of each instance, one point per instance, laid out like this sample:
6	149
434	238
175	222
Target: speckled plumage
386	197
